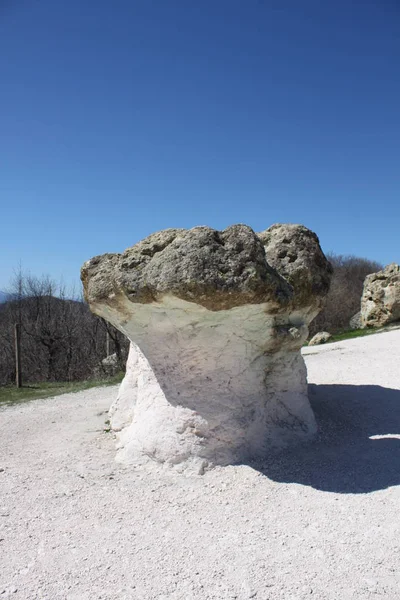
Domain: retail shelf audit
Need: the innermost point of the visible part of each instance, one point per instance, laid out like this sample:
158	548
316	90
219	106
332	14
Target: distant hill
3	296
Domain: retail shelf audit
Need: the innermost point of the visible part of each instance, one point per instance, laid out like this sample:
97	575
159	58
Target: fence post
17	337
107	343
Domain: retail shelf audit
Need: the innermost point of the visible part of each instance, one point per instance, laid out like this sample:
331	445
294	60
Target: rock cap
218	270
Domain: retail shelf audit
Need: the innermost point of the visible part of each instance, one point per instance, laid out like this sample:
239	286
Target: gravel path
319	522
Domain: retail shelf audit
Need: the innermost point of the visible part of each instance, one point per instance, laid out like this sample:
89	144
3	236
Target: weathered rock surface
294	251
216	321
111	364
355	321
320	338
380	301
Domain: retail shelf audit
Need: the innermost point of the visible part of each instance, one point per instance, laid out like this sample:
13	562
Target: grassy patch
349	334
352	333
32	391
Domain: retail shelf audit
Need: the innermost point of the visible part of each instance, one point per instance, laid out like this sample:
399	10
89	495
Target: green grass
32	391
352	333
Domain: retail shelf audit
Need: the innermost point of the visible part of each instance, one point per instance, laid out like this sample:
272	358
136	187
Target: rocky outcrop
111	364
380	301
355	321
320	338
216	320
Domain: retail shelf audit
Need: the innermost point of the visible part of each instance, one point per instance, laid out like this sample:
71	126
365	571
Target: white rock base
210	388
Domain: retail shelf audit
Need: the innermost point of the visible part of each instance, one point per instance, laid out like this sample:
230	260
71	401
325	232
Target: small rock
355	321
320	338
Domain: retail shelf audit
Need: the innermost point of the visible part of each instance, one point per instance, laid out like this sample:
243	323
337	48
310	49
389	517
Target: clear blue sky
122	118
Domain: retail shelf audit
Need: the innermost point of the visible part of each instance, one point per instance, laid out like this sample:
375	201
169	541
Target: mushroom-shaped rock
214	373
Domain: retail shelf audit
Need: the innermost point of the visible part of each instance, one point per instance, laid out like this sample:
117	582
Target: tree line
61	340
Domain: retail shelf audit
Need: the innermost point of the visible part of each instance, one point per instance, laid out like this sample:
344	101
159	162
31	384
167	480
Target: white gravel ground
319	522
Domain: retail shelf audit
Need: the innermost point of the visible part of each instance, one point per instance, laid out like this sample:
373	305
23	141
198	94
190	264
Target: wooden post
107	344
18	374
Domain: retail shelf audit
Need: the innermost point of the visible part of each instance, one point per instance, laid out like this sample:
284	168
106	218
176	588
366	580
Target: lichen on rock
380	301
216	320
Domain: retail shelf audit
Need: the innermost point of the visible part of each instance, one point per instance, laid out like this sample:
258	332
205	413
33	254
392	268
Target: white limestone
205	389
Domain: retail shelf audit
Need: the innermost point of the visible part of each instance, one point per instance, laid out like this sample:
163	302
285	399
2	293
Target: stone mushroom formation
216	320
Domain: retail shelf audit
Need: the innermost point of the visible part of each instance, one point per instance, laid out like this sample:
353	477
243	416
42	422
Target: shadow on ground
344	459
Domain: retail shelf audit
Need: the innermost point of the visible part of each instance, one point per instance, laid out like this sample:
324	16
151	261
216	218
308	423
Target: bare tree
61	339
344	297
